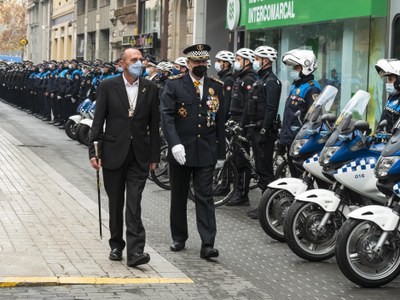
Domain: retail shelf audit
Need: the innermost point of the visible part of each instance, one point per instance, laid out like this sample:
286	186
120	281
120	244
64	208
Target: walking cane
96	149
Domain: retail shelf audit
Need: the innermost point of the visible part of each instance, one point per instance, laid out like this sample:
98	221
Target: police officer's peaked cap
198	52
149	57
108	65
152	62
75	61
116	62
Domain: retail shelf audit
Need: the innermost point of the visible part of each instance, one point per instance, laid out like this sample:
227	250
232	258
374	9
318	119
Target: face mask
135	69
176	71
390	89
120	69
217	67
199	71
237	66
70	66
51	66
295	75
256	66
102	70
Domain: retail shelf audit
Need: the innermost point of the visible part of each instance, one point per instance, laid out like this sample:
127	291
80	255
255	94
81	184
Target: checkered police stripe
312	159
358	164
197	53
396	189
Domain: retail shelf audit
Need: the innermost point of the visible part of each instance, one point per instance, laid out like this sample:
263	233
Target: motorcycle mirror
328	118
298	115
382	125
361	125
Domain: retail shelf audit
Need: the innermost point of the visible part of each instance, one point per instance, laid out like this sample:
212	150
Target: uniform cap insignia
200	47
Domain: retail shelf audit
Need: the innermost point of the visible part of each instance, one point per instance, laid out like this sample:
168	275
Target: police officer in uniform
390	69
242	86
193	123
223	65
261	110
303	93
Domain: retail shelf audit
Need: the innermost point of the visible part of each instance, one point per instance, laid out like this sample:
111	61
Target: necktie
197	86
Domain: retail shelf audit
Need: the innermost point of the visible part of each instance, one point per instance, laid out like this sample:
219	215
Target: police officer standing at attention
240	94
223	65
193	123
261	110
303	93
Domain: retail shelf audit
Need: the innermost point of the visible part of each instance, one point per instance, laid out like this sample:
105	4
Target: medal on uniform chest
131	112
213	106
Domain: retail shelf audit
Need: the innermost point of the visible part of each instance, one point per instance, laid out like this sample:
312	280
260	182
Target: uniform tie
197	86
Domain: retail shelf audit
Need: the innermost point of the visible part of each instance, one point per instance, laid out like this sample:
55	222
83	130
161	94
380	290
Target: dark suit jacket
120	131
184	120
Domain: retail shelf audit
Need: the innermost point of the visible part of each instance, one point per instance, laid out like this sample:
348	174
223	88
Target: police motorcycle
313	221
85	126
72	124
307	145
368	244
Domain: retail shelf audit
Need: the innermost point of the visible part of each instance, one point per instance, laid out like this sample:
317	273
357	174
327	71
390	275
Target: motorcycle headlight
326	155
384	164
296	146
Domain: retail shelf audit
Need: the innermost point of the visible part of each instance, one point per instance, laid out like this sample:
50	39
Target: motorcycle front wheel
302	233
272	209
357	259
70	129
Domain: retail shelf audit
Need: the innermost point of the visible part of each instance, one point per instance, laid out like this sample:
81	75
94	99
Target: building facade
38	32
63	30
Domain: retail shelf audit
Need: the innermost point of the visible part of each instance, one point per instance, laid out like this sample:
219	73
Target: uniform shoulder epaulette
176	76
216	80
311	82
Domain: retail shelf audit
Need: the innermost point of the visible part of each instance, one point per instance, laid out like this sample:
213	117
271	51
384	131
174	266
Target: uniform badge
315	96
182	112
228	88
143	90
298	91
248	87
211	91
213	107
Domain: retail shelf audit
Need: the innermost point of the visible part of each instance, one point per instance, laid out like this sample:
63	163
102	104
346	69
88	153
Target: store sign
233	13
142	41
257	14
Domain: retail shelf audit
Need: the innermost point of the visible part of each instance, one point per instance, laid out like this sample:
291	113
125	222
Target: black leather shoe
115	254
237	201
177	246
138	259
208	252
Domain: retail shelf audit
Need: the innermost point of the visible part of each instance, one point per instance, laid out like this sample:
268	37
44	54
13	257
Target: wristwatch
263	131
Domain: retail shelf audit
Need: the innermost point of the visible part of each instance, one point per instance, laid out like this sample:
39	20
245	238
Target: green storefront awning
256	14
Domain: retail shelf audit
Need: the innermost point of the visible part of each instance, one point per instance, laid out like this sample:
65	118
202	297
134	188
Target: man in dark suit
193	124
130	146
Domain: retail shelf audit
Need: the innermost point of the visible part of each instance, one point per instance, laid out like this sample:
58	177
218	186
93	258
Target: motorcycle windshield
324	101
316	110
354	108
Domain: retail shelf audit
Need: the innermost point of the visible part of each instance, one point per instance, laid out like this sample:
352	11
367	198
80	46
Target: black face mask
199	71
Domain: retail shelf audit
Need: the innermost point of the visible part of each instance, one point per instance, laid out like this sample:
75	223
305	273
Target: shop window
104	3
92	5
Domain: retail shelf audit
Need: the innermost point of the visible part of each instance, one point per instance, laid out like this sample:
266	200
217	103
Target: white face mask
218	67
256	65
295	75
237	66
390	89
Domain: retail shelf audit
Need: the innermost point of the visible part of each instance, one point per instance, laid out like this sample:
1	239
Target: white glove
178	151
73	100
220	163
59	97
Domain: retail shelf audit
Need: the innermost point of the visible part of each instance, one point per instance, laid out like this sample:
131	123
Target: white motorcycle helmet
266	52
225	55
386	67
246	53
181	61
305	58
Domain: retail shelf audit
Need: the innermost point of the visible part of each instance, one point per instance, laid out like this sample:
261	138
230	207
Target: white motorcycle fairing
314	168
382	216
76	118
87	122
324	198
295	186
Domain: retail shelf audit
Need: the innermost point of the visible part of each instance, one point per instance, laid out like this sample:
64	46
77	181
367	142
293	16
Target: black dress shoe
238	201
138	259
208	252
115	254
177	246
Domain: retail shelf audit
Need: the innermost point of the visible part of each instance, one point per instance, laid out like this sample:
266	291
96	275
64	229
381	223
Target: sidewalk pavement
49	230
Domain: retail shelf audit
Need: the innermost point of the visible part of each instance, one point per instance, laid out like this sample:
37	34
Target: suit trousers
133	178
205	211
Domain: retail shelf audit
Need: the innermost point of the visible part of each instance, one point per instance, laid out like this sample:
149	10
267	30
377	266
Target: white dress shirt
132	91
201	86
